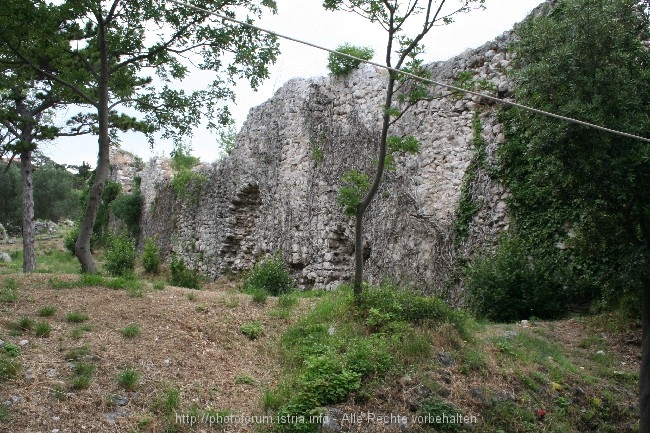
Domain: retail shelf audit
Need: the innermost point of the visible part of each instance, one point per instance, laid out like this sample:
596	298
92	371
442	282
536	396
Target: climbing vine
468	206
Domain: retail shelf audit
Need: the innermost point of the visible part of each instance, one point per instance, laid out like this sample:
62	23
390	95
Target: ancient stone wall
277	191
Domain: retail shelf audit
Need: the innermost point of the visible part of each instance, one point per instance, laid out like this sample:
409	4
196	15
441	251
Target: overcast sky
306	19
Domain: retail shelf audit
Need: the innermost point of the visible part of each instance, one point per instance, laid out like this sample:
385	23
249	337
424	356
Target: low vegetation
300	356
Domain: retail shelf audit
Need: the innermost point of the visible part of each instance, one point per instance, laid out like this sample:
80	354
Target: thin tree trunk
644	375
29	238
82	247
363	206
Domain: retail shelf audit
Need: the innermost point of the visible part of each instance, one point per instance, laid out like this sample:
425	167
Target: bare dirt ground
193	345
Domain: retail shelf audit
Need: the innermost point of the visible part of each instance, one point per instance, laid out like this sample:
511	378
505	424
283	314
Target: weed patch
252	330
130	331
9	290
128	379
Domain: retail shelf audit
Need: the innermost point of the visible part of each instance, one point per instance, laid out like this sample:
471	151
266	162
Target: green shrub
271	275
9	368
11	350
259	296
368	356
513	285
434	409
128	208
70	239
182	276
182	160
387	303
120	255
340	65
151	256
252	330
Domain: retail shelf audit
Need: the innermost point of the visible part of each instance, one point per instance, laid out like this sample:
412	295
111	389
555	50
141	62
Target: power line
424	80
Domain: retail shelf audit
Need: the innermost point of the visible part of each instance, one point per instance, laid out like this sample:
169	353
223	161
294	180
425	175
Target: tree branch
65	83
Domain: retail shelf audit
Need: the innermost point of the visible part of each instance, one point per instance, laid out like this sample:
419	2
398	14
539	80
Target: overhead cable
415	77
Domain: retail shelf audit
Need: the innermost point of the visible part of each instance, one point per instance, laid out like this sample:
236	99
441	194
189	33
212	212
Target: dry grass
202	353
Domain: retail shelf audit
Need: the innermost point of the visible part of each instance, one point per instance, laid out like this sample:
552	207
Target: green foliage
252	330
401	304
408	144
47	311
433	410
259	296
130	331
55	196
578	207
11	350
77	353
512	285
467	206
350	195
120	255
227	140
167	401
82	374
317	153
76	317
182	160
101	231
341	344
151	256
244	379
341	65
182	276
188	184
128	208
465	80
9	367
43	329
70	239
128	379
25	323
9	290
10	198
270	275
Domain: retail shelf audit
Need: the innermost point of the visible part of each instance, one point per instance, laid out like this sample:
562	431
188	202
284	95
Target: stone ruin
277	191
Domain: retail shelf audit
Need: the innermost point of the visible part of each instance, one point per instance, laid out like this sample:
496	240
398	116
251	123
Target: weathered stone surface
277	190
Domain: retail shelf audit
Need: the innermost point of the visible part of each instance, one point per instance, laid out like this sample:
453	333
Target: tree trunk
644	376
358	257
370	195
82	247
29	238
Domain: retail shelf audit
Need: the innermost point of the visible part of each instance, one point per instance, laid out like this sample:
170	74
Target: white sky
307	20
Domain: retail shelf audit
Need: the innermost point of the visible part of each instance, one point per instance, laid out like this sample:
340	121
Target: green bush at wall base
271	275
151	257
120	255
182	276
